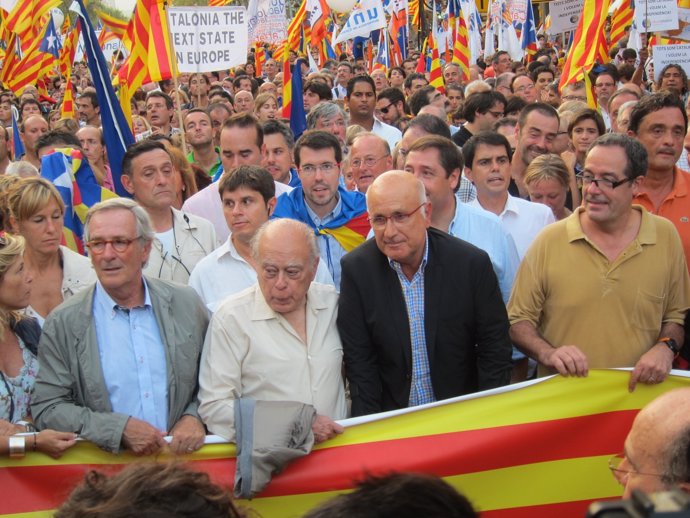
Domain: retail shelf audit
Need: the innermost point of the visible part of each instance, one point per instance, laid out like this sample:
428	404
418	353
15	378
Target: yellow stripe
346	237
36	514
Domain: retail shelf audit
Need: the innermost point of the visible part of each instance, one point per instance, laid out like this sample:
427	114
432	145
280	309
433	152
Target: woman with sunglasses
19	336
36	213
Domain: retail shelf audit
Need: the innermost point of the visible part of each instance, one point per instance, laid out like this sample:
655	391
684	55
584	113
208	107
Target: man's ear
127	183
684	487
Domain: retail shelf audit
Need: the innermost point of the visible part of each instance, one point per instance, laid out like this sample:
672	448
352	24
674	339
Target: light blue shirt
331	251
484	230
132	358
421	389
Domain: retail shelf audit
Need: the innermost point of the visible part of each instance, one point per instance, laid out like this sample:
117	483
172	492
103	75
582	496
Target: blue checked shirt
421	391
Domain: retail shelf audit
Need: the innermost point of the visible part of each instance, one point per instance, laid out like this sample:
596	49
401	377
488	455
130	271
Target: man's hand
187	435
652	367
568	360
7	428
141	438
54	443
325	428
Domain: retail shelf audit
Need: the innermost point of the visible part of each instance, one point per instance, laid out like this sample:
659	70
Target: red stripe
575	509
456	453
157	15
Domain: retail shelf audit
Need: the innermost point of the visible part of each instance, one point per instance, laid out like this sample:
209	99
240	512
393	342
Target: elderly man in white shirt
276	341
248	199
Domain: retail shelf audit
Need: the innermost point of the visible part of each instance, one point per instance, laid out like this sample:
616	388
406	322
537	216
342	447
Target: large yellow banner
534	450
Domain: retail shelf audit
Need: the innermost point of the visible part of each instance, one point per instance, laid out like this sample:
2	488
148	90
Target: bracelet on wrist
17	446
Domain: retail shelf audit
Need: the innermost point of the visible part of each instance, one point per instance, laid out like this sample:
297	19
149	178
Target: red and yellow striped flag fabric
587	44
67	107
589	90
461	49
218	3
17	73
294	30
413	8
26	18
287	83
259	59
69	49
114	25
516	452
622	18
435	72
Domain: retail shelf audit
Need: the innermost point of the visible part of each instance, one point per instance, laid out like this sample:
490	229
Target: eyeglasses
326	168
601	183
524	88
120	244
620	474
398	218
604	85
369	162
498	115
385	109
574	98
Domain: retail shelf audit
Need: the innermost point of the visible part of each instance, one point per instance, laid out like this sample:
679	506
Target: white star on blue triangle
51	41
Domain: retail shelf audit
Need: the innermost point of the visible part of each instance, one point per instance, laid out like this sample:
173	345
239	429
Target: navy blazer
466	325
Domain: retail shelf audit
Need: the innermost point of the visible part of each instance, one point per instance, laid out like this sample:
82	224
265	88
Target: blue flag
50	44
298	119
116	132
19	150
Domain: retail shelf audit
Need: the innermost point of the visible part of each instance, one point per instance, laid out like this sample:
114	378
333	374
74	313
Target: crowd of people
414	244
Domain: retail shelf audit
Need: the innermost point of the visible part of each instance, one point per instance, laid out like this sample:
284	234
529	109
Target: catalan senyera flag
461	49
69	49
587	43
259	59
74	179
18	71
287	83
26	19
435	72
589	90
218	3
294	30
67	106
622	17
515	452
116	26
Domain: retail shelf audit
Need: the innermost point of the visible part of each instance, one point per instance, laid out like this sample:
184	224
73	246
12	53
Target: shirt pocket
648	311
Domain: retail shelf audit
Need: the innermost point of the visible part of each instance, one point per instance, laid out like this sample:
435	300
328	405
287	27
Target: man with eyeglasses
370	157
501	62
604	86
481	111
616	101
338	217
119	361
656	456
607	286
181	240
574	92
523	87
390	105
420	314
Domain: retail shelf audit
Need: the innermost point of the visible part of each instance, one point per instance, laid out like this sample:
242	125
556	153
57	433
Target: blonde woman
265	107
19	337
547	181
36	213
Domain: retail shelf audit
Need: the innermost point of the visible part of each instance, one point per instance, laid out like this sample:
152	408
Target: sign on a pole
656	15
668	54
208	38
565	15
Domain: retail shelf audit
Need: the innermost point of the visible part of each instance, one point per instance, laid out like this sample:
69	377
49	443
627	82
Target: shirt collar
646	235
328	217
103	300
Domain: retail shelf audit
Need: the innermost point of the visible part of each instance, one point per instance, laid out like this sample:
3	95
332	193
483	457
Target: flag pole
173	62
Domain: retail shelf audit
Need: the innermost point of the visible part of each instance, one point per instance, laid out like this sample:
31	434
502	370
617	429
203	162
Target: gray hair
144	229
283	224
626	105
22	169
676	459
324	110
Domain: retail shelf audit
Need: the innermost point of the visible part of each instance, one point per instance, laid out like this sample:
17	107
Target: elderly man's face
286	268
116	270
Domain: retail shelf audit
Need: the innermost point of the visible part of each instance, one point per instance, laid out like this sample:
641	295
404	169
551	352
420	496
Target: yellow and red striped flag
27	19
413	8
259	59
435	72
218	3
18	72
69	49
461	49
114	25
587	43
622	18
589	90
67	107
475	443
287	83
294	30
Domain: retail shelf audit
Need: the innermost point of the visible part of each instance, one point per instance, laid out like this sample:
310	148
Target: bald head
657	445
395	180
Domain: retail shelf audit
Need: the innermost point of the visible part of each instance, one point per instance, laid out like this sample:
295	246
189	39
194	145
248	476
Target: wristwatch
29	427
671	344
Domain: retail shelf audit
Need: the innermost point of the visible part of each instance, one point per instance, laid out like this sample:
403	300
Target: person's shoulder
73	258
239	302
367	251
445	248
194	220
325	293
170	289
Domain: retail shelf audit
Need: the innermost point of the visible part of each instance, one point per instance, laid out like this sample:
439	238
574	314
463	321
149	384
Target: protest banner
267	21
656	15
668	54
208	38
366	16
565	14
537	449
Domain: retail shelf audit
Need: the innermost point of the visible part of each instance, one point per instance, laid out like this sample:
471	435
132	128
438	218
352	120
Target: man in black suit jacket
456	341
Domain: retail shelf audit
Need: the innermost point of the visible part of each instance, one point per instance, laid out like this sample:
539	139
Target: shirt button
146	395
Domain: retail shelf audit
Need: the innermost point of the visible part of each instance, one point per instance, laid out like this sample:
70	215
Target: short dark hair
403	495
430	124
652	103
157	93
514	105
91	96
149	489
498	55
222	93
629	53
273	127
245	120
412	77
545	109
481	102
250	176
319	88
634	151
359	79
394	95
420	99
449	154
316	139
487	138
196	110
587	114
139	148
252	81
540	70
58	138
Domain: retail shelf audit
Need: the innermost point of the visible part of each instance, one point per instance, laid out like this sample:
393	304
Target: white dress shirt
252	351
